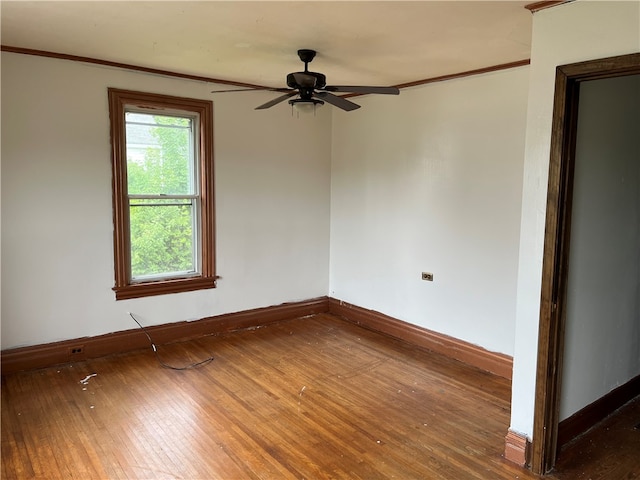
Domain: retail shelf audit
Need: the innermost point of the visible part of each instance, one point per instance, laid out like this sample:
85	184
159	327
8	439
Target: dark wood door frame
556	248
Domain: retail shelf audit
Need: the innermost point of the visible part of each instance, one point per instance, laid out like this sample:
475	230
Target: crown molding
537	6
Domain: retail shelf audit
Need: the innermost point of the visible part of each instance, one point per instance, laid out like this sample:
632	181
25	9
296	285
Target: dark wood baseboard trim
595	412
516	448
39	356
474	355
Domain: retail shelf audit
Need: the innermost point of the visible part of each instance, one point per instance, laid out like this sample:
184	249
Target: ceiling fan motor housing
306	80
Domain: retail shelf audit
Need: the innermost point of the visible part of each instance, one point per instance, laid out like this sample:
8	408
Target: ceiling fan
312	89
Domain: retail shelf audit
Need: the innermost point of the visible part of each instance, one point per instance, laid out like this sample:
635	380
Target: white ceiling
358	42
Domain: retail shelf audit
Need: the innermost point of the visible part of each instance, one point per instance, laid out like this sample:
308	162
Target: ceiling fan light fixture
305	106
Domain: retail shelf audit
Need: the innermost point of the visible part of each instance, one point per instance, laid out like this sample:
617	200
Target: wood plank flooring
611	450
312	398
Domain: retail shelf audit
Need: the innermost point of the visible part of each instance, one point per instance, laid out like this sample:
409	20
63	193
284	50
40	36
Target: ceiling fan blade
252	89
339	102
275	101
362	89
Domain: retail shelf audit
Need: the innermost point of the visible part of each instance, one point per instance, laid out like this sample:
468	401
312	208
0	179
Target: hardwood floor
312	398
609	451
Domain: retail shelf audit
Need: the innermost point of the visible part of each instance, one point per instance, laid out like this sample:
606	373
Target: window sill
164	287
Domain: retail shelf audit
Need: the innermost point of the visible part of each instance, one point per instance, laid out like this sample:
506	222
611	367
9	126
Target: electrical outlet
427	276
78	350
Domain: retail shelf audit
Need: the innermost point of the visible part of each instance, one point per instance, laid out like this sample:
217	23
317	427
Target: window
163	211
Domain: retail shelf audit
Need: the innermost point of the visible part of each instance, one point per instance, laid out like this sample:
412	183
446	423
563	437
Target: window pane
159	154
161	237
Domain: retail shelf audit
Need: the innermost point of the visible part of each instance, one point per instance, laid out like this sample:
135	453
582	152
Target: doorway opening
553	302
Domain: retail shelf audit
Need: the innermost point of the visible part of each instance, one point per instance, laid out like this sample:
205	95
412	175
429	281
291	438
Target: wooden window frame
119	101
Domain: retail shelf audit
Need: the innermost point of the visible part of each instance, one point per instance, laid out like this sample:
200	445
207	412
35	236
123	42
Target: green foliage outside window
161	229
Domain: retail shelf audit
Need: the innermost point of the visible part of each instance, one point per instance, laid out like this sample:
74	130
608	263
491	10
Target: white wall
57	257
438	190
572	32
431	181
602	346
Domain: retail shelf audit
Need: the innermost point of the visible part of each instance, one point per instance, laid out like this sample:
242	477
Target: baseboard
39	356
595	412
516	448
474	355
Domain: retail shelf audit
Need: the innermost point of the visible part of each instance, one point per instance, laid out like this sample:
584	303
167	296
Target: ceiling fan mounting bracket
306	55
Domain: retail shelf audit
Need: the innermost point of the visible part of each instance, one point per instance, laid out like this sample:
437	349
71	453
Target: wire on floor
155	350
